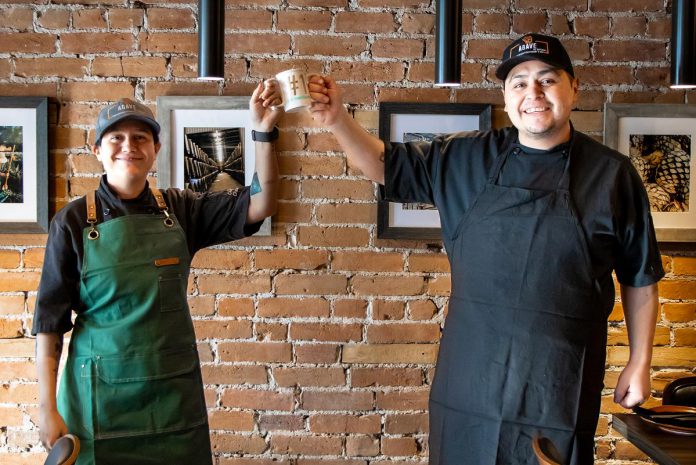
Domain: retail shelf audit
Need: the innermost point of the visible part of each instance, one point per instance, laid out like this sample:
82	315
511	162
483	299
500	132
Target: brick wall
318	343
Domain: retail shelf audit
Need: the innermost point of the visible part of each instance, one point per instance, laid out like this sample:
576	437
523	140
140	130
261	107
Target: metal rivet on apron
106	212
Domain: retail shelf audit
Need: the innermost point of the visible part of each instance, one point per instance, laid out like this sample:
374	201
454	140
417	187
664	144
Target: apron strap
162	205
159	198
93	233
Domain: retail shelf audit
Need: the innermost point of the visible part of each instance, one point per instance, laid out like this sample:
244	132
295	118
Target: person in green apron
535	218
119	259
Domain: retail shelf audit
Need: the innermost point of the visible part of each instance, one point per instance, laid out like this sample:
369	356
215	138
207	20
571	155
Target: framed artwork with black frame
206	145
659	139
405	122
23	164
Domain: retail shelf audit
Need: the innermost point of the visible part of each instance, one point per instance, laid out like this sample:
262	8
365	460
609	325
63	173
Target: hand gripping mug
293	86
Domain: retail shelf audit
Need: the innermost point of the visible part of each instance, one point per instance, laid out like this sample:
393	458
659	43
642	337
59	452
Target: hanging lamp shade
448	43
683	65
211	39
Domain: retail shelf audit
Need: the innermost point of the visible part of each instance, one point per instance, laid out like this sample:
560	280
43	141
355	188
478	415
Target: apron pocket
172	293
145	394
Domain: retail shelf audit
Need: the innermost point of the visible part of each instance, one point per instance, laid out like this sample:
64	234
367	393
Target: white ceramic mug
294	88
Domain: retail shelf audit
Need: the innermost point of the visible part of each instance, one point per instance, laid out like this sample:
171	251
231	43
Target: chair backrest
546	453
681	391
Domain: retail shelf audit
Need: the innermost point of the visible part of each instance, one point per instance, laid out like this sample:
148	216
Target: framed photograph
23	164
659	139
406	122
206	145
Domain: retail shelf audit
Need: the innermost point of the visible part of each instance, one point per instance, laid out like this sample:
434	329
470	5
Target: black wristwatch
258	136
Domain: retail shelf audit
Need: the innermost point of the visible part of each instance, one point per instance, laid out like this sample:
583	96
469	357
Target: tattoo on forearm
255	184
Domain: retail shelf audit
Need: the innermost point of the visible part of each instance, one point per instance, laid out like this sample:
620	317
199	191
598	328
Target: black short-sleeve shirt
610	198
207	219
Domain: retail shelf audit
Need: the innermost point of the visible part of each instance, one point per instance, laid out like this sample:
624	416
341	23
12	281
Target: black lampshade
211	39
683	66
448	43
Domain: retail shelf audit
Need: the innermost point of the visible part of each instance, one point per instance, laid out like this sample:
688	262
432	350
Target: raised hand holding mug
293	86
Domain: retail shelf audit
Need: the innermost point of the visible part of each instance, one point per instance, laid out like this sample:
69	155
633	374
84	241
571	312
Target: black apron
524	343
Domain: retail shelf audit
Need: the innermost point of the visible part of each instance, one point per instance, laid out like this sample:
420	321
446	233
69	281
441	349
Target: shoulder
598	152
73	213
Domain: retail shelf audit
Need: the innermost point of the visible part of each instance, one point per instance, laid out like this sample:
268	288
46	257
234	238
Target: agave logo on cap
123	105
529	45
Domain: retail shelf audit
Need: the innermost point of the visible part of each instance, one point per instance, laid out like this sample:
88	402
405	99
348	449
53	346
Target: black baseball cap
534	47
121	110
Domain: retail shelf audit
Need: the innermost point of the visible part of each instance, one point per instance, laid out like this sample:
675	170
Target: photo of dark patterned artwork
663	163
11	164
213	159
418	137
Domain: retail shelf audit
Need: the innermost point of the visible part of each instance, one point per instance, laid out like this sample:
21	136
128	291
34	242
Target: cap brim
502	71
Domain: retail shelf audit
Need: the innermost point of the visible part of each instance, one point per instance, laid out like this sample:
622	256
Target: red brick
677	289
567	5
347	213
221	259
231	420
310	284
338	423
125	18
399	446
271	331
648	97
633	50
256	399
371	377
350	308
319	3
10	259
604	75
330	45
409	400
170	18
418	23
304	20
248	19
403	332
410	94
171	42
331	165
271	352
524	23
93	18
560	24
659	28
19	282
64	67
306	445
27	42
11	305
387	285
224	443
257	43
293	212
679	312
364	446
233	284
333	236
354	21
281	423
130	66
326	377
627	5
406	423
326	332
397	48
10	328
53	19
18	18
334	400
593	26
367	261
367	71
234	374
388	310
492	23
684	337
236	307
421	309
316	353
653	77
628	26
338	189
302	308
202	305
96	42
292	259
95	91
222	329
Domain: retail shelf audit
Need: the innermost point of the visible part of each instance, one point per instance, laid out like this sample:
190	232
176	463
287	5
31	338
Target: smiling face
538	100
127	150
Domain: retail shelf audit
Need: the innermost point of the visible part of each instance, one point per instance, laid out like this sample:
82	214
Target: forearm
364	151
640	306
264	190
49	347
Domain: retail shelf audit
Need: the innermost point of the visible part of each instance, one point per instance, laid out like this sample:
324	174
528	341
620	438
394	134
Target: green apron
132	389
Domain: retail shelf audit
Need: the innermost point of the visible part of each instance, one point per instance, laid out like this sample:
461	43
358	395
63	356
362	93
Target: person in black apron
534	219
131	390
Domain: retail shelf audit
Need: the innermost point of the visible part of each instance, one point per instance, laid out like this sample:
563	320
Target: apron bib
132	389
523	347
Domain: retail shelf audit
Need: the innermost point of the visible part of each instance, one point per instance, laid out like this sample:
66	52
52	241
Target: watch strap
258	136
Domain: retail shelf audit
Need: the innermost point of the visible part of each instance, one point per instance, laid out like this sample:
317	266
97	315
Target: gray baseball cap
121	110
